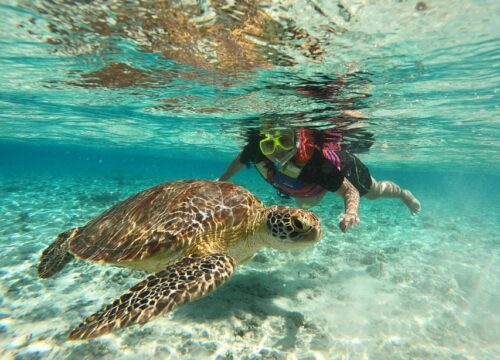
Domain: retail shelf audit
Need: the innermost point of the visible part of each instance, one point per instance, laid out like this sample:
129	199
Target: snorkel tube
280	163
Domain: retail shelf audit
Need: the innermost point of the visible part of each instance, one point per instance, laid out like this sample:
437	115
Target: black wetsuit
318	169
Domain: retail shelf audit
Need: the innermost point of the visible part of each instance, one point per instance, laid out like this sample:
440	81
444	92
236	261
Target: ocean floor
396	287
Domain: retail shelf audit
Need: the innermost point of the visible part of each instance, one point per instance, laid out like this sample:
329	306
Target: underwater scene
249	179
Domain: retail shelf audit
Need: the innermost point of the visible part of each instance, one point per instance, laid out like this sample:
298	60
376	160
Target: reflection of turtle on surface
191	234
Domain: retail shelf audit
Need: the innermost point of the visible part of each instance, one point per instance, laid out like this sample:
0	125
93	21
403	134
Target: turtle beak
307	231
309	237
313	235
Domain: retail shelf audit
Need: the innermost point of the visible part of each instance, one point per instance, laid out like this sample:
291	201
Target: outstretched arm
232	169
351	202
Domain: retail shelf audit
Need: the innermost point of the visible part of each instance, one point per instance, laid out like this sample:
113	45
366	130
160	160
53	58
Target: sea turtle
190	233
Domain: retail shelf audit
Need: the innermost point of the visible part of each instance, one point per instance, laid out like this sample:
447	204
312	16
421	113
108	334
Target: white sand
396	287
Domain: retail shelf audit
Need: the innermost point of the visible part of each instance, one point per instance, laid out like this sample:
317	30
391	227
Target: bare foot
411	201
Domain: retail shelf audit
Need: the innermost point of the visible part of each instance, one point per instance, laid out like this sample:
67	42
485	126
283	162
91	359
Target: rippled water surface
100	100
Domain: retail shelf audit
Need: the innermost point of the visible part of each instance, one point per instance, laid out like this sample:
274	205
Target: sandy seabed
396	287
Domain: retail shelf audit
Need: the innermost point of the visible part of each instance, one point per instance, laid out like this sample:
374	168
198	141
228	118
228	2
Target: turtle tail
56	255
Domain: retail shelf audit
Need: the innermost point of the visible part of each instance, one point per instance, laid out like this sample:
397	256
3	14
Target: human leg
390	189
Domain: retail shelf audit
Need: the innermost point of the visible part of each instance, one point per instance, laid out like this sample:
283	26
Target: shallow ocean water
95	110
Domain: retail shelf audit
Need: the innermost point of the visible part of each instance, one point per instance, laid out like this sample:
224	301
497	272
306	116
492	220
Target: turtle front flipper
56	255
186	280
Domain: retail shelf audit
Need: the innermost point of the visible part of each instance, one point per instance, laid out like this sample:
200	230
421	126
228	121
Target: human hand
347	221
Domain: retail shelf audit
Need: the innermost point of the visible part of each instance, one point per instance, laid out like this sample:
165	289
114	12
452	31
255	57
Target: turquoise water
100	101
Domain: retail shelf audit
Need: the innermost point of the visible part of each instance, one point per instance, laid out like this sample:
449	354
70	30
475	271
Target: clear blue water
98	102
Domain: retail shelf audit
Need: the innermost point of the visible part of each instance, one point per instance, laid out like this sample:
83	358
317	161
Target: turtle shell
170	216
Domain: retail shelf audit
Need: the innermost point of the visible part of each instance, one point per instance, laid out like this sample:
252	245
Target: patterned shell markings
168	217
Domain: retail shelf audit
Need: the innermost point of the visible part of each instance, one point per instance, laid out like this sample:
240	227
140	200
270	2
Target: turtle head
290	228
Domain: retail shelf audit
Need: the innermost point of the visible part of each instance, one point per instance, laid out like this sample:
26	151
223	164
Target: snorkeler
306	169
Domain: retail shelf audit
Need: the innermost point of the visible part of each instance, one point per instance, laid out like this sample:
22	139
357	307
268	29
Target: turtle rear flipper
56	255
183	281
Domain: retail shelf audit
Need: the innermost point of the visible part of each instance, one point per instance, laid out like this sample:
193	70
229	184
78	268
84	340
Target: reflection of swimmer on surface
297	165
344	93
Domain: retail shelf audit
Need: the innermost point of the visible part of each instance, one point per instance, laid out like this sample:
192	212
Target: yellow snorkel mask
274	140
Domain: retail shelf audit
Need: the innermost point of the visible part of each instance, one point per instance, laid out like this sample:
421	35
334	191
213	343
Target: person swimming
295	164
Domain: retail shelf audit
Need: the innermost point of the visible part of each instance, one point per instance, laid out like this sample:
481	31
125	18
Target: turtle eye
298	225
